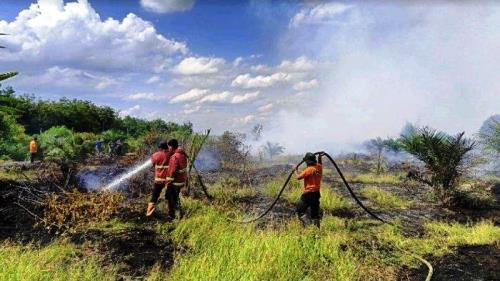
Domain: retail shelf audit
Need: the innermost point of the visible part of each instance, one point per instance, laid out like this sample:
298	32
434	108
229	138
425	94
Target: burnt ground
135	251
468	263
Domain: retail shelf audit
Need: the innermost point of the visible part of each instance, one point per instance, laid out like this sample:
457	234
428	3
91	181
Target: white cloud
260	68
73	35
130	111
167	6
200	65
192	109
191	95
246	119
145	96
301	64
305	85
248	97
237	61
153	79
247	81
319	14
216	98
265	108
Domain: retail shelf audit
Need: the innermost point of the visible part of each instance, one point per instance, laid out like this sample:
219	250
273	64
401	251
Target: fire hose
348	187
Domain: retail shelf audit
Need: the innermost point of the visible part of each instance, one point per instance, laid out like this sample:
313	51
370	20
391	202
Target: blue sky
333	73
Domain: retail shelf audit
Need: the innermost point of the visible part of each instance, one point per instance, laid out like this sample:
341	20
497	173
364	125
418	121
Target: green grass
372	178
384	199
222	250
58	261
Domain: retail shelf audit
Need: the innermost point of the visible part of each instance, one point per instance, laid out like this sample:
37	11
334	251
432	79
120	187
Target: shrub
13	141
443	156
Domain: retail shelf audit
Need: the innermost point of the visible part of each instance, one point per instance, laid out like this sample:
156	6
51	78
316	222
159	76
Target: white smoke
436	65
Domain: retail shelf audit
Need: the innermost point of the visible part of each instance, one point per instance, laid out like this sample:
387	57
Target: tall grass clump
58	261
217	249
384	199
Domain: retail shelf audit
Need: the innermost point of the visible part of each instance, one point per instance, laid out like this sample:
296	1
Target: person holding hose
176	177
311	175
160	161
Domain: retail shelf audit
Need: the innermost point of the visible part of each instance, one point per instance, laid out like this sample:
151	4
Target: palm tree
443	156
6	75
273	149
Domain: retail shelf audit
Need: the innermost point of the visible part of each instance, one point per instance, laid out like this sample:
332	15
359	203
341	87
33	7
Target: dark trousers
309	200
32	157
171	196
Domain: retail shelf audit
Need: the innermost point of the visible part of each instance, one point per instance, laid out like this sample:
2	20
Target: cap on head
163	145
35	138
309	158
173	143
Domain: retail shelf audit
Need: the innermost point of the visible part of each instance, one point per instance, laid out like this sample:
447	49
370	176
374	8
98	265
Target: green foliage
377	146
443	156
58	261
232	152
7	75
13	141
273	149
60	144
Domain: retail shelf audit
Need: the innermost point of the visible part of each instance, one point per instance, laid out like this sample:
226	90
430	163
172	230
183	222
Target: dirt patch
468	263
135	251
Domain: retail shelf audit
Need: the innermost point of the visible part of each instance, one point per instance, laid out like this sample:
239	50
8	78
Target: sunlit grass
58	261
384	199
372	178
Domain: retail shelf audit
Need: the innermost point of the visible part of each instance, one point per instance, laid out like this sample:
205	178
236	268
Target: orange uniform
160	161
312	178
177	168
33	146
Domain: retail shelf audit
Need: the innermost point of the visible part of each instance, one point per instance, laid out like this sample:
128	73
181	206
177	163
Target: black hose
351	192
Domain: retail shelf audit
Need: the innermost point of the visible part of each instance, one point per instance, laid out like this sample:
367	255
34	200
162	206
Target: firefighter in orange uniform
311	175
160	161
33	149
176	177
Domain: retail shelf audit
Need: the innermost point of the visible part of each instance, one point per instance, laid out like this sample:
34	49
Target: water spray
127	175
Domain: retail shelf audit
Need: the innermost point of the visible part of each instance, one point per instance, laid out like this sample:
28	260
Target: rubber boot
305	220
316	222
151	209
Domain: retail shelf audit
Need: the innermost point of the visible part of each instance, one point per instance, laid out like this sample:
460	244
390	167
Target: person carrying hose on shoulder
176	177
160	161
311	175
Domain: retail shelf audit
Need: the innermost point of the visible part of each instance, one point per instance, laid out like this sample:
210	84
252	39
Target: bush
13	141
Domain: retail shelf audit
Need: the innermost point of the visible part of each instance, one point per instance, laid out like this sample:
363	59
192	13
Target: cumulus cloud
167	6
265	108
216	98
131	111
260	81
74	35
301	64
321	13
191	95
191	109
248	97
145	96
305	85
200	65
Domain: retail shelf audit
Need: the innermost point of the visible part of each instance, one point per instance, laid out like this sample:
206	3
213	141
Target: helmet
309	158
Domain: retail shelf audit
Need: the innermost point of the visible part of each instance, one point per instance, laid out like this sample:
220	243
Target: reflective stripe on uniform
178	184
181	171
161	167
160	179
170	179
